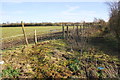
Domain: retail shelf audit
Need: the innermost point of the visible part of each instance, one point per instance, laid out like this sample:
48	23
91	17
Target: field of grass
14	31
12	36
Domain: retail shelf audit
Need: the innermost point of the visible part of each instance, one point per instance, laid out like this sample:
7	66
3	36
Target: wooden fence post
67	32
63	30
35	35
77	31
82	41
26	40
73	27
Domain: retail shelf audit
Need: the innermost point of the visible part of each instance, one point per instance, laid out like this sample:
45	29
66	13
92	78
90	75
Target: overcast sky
53	11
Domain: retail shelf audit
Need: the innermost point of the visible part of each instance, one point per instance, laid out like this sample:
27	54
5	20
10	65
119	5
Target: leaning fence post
35	35
63	30
25	37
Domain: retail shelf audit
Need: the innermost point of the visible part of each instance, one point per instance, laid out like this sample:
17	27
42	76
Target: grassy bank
55	59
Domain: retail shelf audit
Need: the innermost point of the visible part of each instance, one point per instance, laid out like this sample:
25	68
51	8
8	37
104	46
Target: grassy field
12	36
14	31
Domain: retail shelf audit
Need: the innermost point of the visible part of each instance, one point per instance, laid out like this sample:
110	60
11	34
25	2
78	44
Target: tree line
29	24
95	22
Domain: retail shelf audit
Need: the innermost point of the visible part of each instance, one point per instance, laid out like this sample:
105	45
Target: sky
53	11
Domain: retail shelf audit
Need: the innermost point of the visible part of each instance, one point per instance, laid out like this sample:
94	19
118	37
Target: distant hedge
29	24
41	24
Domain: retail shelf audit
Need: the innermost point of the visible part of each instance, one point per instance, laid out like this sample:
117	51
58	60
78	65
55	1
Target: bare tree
114	21
119	6
100	23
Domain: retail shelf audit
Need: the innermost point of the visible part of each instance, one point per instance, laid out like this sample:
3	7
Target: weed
10	72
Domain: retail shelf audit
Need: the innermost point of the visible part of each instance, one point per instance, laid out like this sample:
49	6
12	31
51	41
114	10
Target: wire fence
12	41
72	33
78	36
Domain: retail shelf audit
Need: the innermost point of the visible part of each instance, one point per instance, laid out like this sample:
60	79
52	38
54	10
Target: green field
12	36
14	31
